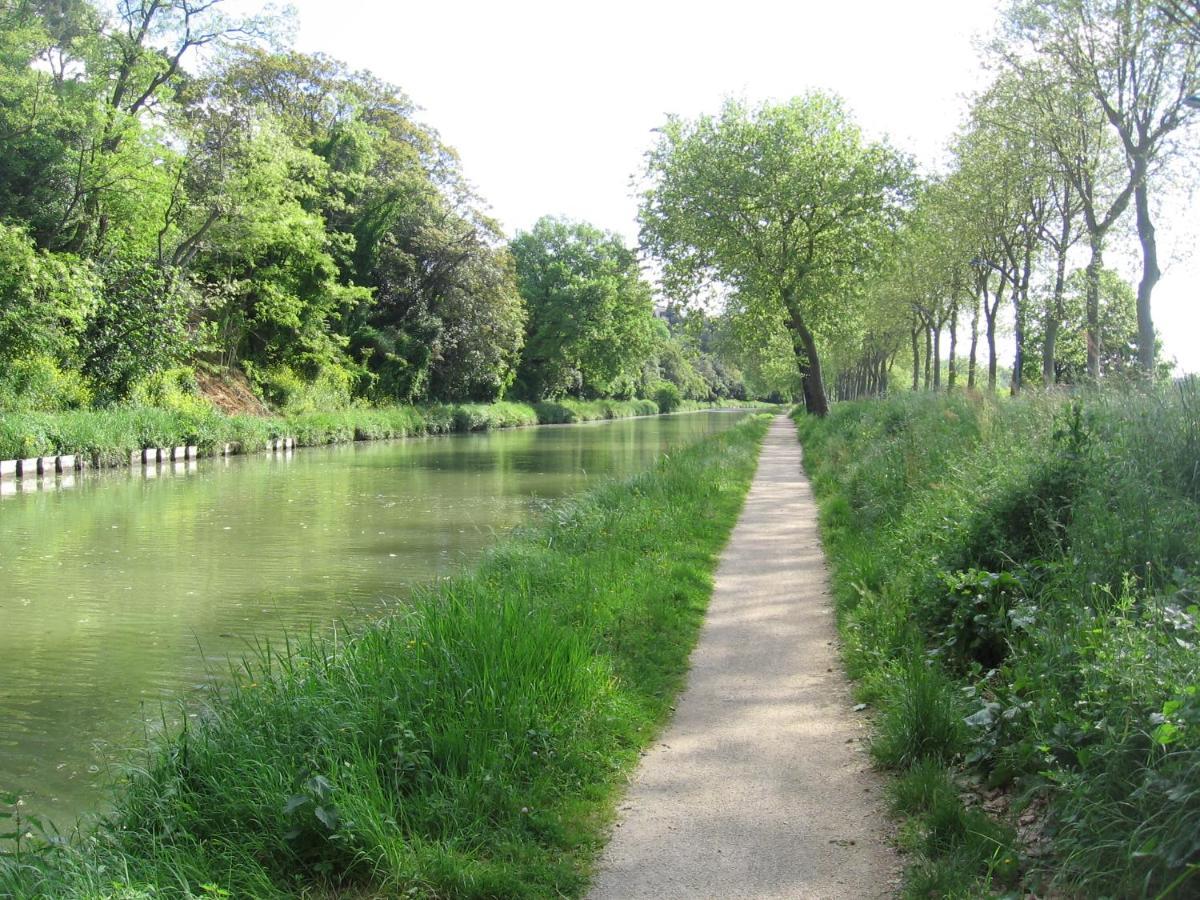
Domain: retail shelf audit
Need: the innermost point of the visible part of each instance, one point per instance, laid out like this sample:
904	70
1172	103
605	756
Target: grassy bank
470	747
1016	586
109	436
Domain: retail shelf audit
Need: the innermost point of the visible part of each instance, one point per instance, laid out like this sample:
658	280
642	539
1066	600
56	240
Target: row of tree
175	190
834	247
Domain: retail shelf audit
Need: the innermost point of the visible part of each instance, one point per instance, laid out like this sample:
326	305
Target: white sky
551	104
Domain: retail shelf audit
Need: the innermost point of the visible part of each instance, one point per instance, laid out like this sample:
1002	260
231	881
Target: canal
124	594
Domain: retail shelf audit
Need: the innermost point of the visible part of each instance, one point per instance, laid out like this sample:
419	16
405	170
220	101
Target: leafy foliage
1040	557
590	313
784	208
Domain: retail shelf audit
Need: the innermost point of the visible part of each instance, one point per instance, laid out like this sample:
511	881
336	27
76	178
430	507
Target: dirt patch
230	392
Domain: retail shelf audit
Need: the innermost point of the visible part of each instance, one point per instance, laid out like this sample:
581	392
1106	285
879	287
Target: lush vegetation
469	747
180	191
1016	585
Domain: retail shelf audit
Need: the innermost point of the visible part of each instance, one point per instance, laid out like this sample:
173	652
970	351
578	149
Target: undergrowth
1017	586
470	747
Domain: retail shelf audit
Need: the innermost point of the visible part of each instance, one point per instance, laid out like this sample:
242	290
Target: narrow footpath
760	787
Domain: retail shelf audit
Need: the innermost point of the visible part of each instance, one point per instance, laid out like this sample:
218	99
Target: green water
122	594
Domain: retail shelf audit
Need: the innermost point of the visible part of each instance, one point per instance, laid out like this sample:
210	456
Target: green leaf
1165	733
328	816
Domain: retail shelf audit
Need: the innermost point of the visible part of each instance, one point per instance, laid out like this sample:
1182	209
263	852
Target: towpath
759	788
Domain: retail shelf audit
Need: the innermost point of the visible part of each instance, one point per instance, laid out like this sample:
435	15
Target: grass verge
1017	587
471	747
109	436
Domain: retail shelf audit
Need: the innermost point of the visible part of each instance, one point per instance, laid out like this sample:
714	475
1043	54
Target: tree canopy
785	209
590	312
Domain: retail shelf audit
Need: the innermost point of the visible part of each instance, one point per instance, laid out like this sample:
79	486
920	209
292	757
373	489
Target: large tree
785	206
590	313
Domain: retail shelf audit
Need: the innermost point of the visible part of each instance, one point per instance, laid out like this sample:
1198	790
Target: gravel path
760	788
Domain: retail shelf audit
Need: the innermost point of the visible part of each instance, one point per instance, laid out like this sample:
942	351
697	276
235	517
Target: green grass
1033	564
922	719
109	436
469	747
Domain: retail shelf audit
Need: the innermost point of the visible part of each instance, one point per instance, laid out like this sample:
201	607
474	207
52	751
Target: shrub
36	383
667	396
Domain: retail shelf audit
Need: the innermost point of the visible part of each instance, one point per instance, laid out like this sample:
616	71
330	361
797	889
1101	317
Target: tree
1126	57
1185	14
1117	344
590	315
785	207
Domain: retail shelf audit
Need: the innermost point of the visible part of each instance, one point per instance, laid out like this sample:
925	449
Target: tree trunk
1020	312
974	346
815	401
928	353
916	355
1150	272
1095	264
1054	315
952	371
989	314
937	356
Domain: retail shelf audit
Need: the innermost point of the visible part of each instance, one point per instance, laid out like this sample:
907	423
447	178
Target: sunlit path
759	787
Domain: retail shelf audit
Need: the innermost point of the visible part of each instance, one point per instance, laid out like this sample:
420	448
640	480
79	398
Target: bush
288	391
36	383
667	396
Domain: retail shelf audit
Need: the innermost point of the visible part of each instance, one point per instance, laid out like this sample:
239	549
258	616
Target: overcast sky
551	104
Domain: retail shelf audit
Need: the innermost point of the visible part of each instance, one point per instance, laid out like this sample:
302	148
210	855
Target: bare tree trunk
974	346
1095	264
814	385
1150	273
952	371
1054	315
928	353
1020	312
916	355
937	357
989	313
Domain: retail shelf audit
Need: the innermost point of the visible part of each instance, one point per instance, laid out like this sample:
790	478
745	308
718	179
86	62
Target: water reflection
115	587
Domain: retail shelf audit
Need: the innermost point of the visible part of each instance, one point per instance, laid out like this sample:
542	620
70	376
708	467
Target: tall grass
468	747
109	436
1044	555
